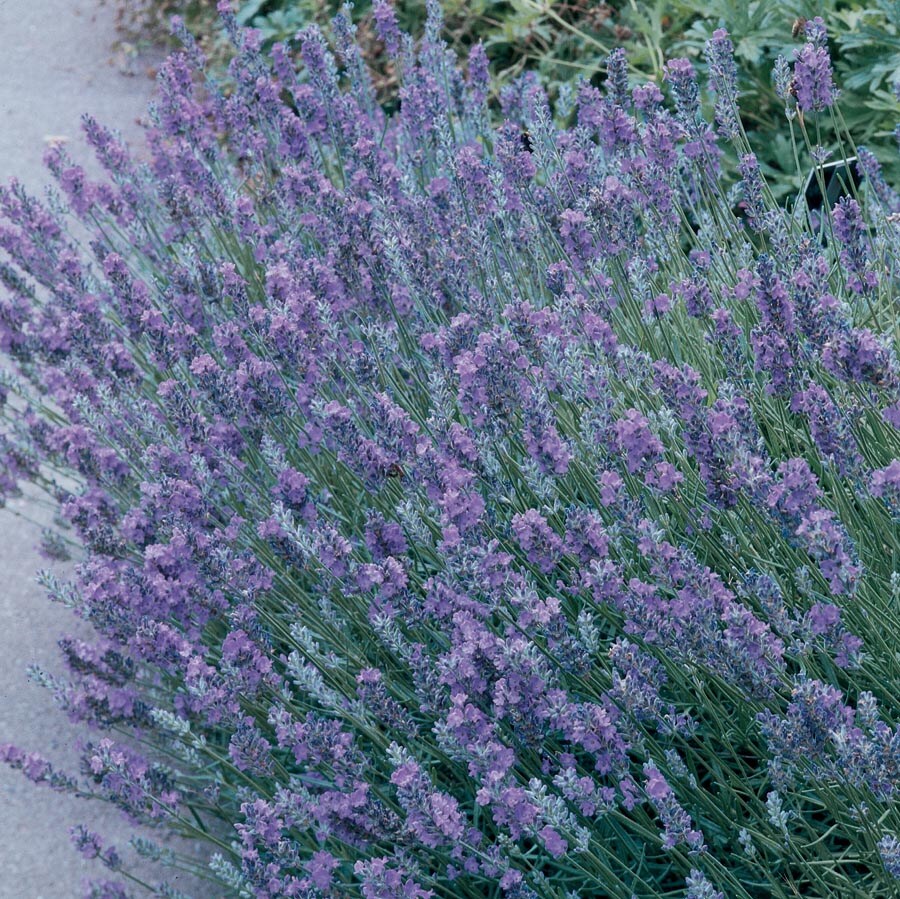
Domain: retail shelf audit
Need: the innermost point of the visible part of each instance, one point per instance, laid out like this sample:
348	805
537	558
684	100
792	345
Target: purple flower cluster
723	82
456	517
813	84
820	736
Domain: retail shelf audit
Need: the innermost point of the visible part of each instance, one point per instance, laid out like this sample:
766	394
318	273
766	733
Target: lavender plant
465	515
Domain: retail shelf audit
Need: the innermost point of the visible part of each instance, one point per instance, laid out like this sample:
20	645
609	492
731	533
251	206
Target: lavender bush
469	511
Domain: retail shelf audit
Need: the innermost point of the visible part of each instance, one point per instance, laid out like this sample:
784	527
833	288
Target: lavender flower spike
813	84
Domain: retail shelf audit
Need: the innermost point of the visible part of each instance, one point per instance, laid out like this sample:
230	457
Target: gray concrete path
56	62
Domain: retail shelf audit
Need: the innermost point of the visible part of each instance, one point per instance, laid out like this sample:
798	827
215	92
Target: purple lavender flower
538	540
723	82
815	31
478	72
885	484
859	355
700	887
677	824
850	231
829	427
812	83
617	77
635	439
781	79
386	25
381	879
683	80
321	868
870	168
774	339
889	850
752	188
